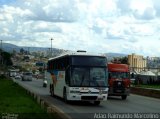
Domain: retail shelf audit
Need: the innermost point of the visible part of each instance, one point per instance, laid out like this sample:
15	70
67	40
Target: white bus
78	77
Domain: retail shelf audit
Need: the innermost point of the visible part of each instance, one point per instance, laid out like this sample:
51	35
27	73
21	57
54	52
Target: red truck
119	80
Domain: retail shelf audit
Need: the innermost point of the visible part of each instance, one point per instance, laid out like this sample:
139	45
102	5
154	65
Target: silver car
27	76
18	77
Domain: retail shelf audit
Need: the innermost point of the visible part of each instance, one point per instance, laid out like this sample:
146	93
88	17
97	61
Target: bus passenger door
60	83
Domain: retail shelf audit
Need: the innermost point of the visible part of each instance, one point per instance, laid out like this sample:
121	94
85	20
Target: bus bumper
79	97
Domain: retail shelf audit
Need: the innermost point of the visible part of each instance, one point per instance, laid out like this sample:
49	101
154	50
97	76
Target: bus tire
22	79
97	102
124	97
52	90
65	95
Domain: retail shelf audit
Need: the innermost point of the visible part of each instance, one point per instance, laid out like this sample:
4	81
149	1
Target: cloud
97	29
139	9
124	6
93	25
148	14
112	36
45	27
51	10
157	7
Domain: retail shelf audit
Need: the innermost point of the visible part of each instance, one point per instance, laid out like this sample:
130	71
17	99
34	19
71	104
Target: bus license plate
100	98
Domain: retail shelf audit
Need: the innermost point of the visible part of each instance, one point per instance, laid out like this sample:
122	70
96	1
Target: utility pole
51	46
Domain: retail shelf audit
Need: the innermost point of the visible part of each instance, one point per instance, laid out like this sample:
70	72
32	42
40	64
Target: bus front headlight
104	92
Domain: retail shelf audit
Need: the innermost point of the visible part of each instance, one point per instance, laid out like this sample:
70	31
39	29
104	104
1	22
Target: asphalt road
133	103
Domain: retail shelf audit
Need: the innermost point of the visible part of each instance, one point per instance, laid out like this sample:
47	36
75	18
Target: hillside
10	47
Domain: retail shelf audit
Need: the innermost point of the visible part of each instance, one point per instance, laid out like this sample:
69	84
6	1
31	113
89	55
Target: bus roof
77	54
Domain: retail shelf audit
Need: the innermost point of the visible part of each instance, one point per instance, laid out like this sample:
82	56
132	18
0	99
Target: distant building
153	62
137	62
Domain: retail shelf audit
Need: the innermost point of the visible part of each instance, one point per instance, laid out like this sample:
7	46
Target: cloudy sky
120	26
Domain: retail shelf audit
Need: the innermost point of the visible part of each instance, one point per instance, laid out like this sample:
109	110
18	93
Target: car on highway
27	76
18	76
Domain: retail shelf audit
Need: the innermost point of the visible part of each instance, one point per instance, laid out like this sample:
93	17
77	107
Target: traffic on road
77	109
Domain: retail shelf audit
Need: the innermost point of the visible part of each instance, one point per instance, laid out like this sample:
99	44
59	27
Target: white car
18	77
27	76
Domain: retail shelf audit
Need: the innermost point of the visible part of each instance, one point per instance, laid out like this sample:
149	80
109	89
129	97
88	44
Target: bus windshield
119	75
89	77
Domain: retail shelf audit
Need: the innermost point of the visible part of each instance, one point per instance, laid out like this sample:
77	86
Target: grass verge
149	86
15	102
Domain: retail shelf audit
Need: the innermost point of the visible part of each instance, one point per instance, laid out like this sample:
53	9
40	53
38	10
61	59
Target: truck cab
119	80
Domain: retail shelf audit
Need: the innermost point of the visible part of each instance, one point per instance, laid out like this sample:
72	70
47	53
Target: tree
7	59
122	60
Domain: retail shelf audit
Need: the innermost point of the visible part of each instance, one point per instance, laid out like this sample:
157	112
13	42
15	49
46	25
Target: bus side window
62	64
67	76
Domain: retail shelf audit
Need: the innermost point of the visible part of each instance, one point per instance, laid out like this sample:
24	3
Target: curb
146	92
50	108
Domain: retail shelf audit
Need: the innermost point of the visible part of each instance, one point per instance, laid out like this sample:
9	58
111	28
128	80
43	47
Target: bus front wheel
65	95
52	90
124	97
